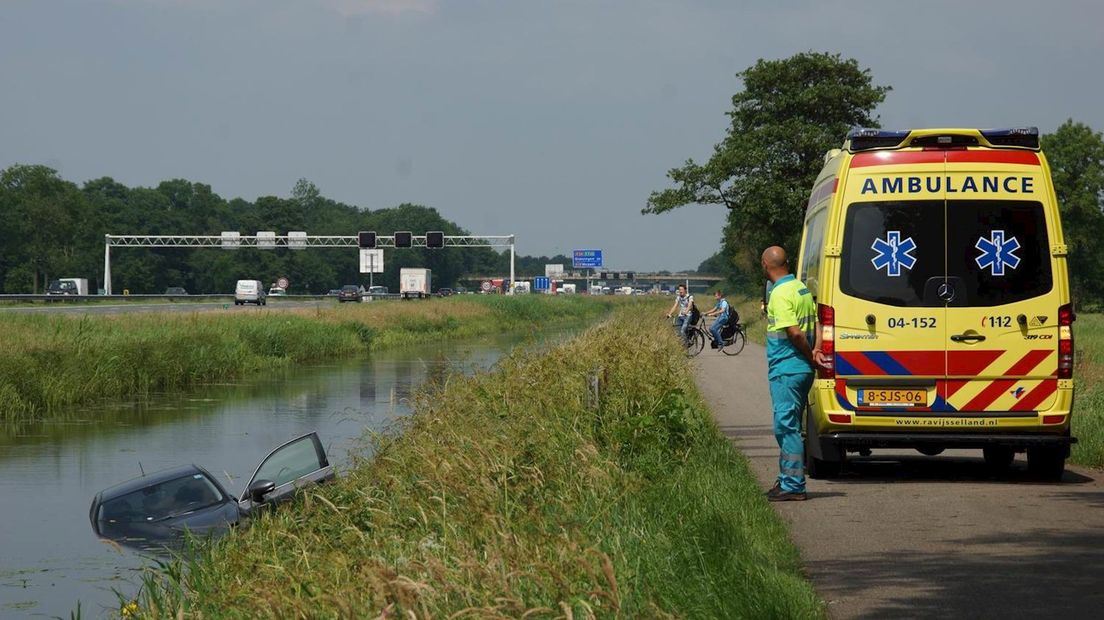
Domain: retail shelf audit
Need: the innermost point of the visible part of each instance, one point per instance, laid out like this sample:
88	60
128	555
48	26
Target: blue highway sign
586	259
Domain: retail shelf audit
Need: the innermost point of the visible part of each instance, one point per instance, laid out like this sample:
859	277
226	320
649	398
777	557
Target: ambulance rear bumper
855	440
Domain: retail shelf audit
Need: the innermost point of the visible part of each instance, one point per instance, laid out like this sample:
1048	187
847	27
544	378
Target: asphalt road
904	535
125	308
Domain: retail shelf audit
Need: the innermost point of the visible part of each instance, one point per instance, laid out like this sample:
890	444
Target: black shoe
713	345
777	488
786	496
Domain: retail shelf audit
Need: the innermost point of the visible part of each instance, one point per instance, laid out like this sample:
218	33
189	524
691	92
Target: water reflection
49	472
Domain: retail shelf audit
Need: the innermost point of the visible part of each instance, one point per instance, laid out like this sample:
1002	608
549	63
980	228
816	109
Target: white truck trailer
414	282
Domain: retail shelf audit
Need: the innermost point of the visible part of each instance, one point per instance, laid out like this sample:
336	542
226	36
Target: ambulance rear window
893	252
999	250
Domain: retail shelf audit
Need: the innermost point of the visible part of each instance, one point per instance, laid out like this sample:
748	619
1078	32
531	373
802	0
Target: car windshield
162	500
349	287
247	286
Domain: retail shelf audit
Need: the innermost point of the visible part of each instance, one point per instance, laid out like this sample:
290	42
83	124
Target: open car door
296	464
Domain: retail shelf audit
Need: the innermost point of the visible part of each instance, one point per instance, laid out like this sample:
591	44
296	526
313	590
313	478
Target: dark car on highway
176	290
154	510
444	292
349	292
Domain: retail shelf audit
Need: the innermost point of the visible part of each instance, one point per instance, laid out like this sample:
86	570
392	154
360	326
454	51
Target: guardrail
229	297
189	297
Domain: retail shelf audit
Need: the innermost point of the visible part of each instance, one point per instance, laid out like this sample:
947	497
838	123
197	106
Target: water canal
49	557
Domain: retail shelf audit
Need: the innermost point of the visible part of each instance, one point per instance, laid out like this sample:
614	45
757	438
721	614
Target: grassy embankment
51	363
1088	408
507	496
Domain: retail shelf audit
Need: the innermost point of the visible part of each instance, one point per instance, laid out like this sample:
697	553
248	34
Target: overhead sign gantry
297	240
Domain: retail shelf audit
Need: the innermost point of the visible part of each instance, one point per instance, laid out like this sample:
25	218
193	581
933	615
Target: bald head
774	256
774	263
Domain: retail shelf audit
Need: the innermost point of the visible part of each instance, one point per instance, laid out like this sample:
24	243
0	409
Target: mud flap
822	448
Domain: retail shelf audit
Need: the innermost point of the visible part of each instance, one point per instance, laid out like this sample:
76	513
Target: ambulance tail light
826	318
1065	341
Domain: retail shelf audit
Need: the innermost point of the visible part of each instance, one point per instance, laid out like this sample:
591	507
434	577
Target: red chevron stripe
952	386
970	363
994	390
861	363
921	362
1036	396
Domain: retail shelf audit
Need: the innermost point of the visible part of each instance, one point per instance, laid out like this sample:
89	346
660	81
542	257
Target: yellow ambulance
938	267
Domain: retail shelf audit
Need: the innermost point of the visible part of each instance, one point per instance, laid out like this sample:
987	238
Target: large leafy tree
789	113
1076	156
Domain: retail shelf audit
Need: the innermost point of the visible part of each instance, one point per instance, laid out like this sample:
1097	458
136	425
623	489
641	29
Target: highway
904	535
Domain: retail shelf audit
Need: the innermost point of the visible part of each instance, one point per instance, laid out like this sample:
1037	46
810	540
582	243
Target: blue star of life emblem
893	253
997	252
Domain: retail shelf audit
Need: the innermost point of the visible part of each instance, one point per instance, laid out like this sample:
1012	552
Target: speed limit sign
486	286
282	283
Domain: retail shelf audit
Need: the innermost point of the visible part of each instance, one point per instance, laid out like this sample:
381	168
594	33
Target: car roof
142	482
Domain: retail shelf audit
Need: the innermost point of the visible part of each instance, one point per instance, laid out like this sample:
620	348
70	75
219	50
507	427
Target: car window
891	250
291	461
999	250
162	500
810	254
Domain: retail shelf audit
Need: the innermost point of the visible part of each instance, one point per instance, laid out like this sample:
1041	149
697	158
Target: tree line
790	112
51	228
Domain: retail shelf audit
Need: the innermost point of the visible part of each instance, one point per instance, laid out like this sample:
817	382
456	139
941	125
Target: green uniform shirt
789	303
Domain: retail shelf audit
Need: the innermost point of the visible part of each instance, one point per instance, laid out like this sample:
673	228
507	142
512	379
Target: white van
249	292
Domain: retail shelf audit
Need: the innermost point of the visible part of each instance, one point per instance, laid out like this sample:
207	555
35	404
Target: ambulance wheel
1046	463
998	458
819	469
930	450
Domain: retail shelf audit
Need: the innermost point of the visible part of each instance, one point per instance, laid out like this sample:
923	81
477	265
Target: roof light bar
1027	137
865	138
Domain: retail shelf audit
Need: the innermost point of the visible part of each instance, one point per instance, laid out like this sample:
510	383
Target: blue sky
551	120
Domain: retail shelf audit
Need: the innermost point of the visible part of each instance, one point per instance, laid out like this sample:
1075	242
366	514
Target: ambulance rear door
1002	349
890	321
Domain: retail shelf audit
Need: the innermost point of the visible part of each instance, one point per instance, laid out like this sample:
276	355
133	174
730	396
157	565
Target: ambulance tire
998	458
1046	463
819	469
931	450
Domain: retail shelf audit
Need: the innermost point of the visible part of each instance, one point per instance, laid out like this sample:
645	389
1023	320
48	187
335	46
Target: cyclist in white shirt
684	302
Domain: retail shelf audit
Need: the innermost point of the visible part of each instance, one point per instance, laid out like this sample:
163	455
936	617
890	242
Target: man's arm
673	308
797	337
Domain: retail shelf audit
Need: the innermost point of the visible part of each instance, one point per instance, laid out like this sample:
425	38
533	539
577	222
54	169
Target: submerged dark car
156	510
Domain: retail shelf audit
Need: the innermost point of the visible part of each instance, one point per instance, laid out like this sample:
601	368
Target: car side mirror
259	489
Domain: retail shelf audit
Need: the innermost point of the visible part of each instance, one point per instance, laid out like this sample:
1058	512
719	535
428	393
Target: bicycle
734	338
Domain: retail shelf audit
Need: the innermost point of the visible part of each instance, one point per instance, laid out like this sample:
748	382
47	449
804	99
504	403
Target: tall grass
1088	405
50	363
507	496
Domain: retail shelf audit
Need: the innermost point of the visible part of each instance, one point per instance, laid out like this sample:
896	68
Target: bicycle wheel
695	342
735	344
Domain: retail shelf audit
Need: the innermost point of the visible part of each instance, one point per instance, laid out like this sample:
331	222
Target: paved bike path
904	535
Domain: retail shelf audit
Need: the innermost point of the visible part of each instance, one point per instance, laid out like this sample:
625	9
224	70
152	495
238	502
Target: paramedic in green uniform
791	329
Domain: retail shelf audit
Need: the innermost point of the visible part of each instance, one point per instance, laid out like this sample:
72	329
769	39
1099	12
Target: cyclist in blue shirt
722	311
